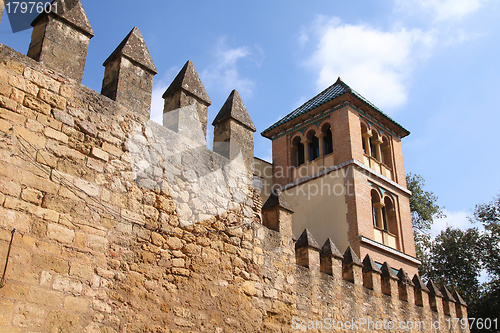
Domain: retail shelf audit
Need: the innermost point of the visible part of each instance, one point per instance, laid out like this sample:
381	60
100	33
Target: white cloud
224	72
442	10
376	63
457	219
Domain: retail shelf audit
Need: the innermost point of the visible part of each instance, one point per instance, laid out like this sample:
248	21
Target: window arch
297	152
375	145
313	145
376	209
365	138
390	213
385	223
327	137
383	212
386	152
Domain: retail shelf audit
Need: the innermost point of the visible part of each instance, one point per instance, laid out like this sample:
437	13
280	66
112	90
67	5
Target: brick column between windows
366	139
321	137
306	150
378	151
378	211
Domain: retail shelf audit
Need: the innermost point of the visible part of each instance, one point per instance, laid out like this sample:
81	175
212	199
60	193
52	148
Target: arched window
386	152
313	146
300	154
297	152
365	138
382	212
373	146
327	139
376	210
384	219
392	225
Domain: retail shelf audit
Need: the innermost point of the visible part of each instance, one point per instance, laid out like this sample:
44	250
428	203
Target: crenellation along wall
103	242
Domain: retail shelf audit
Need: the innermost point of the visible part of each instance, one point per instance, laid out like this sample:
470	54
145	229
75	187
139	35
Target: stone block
87	127
9	187
32	138
18	82
44	297
178	262
17	96
36	104
46	158
5	89
95	164
66	284
20	256
59	321
97	243
63	151
34	126
28	314
174	243
12	65
76	304
60	233
101	306
7	103
49	263
41	80
12	116
66	91
112	149
52	99
157	239
100	154
135	279
14	291
5	126
46	214
31	195
12	219
87	187
63	117
248	288
49	121
56	135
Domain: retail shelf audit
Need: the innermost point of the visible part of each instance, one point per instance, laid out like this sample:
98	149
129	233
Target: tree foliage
458	258
489	216
453	261
423	206
424	209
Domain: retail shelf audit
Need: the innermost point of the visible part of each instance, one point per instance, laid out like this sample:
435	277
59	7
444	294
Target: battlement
122	224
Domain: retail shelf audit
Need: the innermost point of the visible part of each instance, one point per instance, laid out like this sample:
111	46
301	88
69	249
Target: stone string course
94	251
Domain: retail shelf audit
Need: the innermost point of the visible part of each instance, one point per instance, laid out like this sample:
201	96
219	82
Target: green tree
453	262
424	210
457	258
489	216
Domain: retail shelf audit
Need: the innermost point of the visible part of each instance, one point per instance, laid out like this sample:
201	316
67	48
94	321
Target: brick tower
339	161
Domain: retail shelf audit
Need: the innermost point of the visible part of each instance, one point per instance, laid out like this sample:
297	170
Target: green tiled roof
335	90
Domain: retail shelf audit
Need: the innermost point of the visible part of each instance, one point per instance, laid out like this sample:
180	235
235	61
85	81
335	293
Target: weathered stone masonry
100	247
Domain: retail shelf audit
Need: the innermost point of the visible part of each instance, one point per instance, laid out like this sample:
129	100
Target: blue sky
432	65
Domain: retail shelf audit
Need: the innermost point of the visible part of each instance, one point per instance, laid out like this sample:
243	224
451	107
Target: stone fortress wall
110	228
